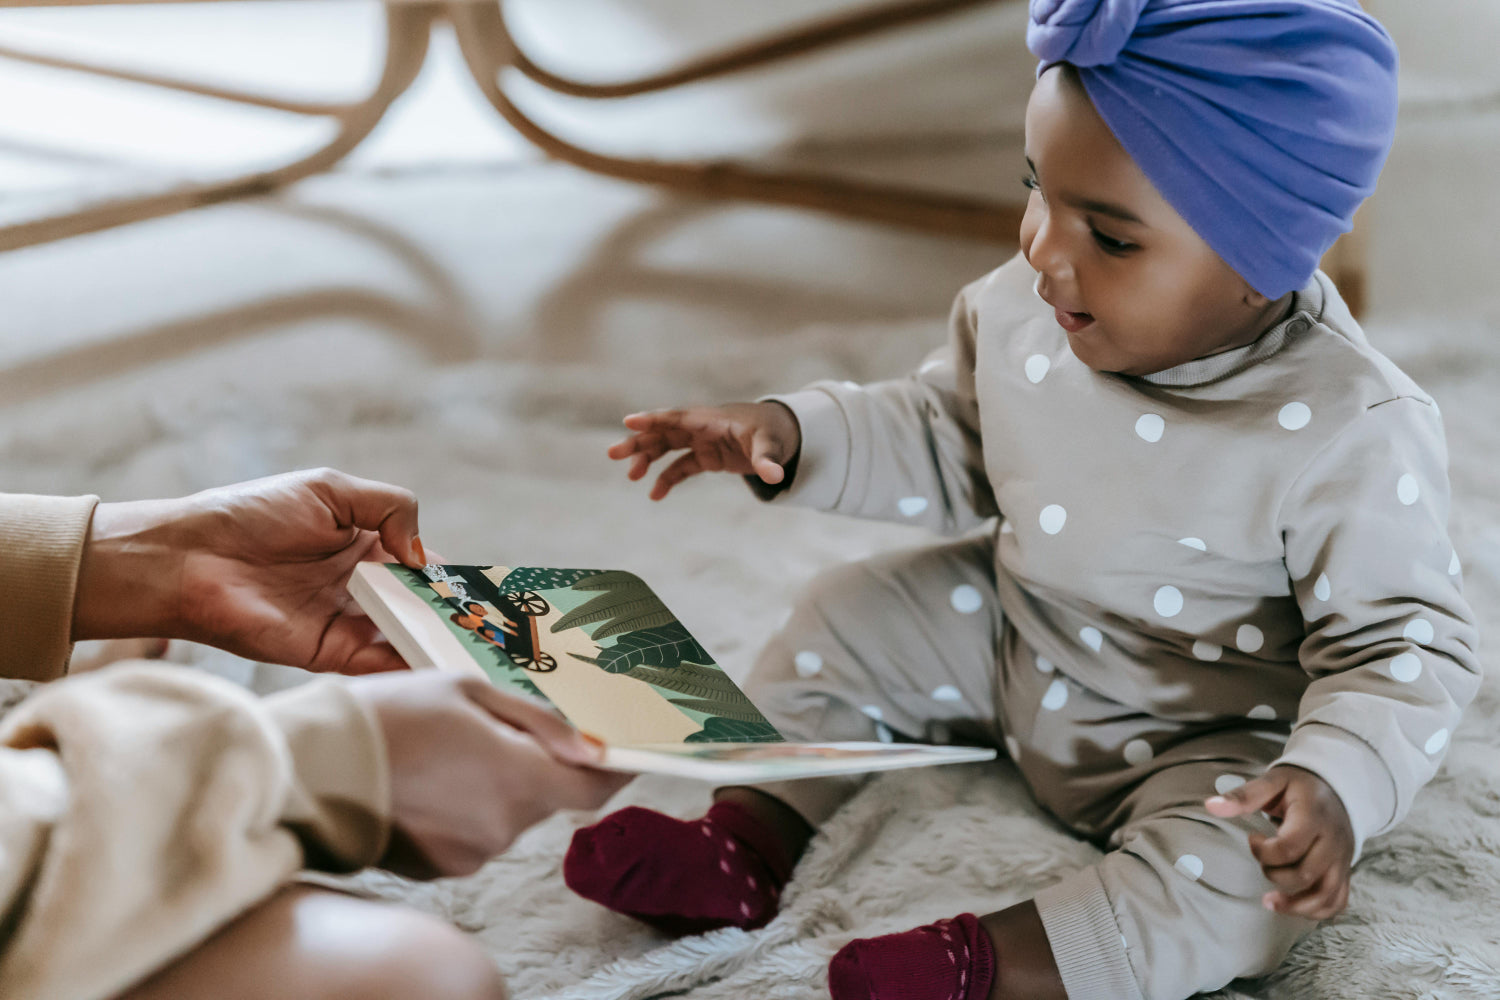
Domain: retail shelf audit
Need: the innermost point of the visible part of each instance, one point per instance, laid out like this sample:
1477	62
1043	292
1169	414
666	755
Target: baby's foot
948	960
681	877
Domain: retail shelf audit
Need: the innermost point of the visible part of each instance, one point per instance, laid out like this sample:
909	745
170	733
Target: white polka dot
1006	528
850	385
1056	696
1168	601
1419	631
1123	943
1037	367
1453	565
1322	588
1092	637
1248	638
946	693
1294	416
1044	665
724	865
1193	543
1226	783
874	712
1013	747
1262	712
1150	427
911	506
1407	490
1406	667
883	733
1207	650
1190	865
1436	741
1137	752
965	599
808	663
928	366
744	909
1053	518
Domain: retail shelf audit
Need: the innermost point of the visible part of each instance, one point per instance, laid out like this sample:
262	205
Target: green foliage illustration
720	730
626	604
708	689
538	578
665	646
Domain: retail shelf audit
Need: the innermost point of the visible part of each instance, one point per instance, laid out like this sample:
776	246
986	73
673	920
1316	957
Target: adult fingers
538	721
762	450
684	467
372	506
352	644
1253	796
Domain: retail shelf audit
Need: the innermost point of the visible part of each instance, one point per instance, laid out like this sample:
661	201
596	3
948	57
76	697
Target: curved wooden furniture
491	54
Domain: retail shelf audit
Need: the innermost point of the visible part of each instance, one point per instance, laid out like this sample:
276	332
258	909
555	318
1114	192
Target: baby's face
1134	287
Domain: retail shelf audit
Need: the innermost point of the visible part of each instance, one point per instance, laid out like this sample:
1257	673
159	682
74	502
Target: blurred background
450	309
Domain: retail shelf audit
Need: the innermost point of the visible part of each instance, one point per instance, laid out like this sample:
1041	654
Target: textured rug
507	457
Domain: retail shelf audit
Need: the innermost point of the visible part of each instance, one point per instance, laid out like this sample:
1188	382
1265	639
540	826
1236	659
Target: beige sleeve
144	806
904	450
42	538
1391	642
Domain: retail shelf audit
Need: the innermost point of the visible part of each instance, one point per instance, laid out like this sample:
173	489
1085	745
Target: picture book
603	649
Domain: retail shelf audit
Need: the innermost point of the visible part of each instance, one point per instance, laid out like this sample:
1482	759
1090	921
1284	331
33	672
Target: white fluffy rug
507	456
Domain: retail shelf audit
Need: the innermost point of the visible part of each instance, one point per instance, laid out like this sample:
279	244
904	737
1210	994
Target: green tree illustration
538	578
666	647
626	604
708	689
718	730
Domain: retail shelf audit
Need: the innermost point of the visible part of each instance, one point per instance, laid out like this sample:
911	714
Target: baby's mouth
1072	321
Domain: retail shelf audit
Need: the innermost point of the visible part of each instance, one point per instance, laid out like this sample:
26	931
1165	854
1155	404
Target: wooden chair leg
489	50
408	29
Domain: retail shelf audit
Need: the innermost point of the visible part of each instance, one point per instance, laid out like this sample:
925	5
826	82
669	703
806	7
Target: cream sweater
144	806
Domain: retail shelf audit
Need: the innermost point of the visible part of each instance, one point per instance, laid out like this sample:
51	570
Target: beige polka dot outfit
1162	586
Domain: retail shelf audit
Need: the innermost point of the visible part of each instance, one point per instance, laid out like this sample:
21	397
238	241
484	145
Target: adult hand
742	438
472	767
1310	857
258	568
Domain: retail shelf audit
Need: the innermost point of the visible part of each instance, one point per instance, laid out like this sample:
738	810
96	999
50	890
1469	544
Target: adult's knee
424	957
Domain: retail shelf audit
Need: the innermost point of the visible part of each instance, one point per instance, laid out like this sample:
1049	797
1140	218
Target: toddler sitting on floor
1213	615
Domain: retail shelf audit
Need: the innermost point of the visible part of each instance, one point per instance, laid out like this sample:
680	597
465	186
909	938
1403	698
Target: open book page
598	644
601	647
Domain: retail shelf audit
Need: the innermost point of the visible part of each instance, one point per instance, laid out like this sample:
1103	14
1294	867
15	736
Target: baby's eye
1109	245
1030	182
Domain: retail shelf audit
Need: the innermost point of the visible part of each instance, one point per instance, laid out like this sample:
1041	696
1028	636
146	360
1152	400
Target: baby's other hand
1311	854
742	438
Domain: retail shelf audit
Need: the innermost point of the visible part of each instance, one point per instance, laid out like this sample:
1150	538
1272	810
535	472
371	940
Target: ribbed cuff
1352	769
42	539
823	462
340	803
1085	939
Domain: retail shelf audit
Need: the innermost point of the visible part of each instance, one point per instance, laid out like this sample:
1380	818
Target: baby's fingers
761	449
1324	900
684	467
1300	875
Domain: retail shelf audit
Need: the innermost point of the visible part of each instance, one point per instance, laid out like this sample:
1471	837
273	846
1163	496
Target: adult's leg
306	943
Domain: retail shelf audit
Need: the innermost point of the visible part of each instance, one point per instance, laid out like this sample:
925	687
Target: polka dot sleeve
906	450
1390	641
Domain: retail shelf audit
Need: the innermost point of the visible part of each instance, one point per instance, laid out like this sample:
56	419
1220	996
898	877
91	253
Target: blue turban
1263	122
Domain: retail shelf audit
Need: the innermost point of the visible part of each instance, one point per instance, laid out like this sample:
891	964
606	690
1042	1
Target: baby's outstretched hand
742	438
1309	858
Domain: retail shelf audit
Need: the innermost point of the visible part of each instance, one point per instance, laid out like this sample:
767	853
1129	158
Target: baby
1203	591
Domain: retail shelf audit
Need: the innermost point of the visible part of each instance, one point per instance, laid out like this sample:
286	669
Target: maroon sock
680	876
948	960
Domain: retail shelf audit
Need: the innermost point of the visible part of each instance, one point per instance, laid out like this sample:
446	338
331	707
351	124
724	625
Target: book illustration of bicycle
515	633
